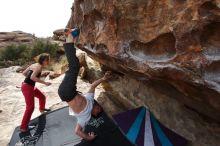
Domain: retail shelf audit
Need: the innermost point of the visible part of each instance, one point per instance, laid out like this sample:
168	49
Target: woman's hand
107	75
91	136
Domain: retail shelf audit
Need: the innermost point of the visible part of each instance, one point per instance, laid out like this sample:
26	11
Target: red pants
29	93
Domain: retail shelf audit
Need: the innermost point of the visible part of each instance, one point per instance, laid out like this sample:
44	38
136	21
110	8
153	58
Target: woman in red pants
32	74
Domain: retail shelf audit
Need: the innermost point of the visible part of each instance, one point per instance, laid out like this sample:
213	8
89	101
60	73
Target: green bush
21	54
44	46
13	52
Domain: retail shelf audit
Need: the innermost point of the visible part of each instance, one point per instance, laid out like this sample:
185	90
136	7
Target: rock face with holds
15	37
172	44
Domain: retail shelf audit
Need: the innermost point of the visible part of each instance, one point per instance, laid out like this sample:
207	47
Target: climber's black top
28	78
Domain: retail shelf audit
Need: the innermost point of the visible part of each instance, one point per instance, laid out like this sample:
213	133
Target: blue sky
40	17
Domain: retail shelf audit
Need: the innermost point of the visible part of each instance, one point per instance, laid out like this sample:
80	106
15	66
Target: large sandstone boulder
175	44
16	37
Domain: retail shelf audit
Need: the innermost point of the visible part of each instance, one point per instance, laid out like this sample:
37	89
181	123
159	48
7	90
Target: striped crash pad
143	129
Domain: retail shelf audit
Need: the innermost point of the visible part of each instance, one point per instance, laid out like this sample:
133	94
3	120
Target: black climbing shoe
47	110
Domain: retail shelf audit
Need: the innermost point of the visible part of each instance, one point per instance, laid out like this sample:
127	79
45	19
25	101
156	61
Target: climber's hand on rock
107	75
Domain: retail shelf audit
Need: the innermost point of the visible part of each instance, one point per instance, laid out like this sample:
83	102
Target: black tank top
28	78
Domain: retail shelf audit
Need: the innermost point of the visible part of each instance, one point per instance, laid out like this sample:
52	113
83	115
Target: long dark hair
43	57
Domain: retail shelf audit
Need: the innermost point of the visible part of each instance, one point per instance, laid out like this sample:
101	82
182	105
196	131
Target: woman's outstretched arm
25	71
97	82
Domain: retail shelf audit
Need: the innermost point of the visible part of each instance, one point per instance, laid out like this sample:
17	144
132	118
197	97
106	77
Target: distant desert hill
15	37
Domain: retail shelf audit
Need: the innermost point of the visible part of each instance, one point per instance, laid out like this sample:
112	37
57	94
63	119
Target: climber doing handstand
80	106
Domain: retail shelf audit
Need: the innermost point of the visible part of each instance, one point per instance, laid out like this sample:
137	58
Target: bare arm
25	71
34	77
79	132
94	85
97	82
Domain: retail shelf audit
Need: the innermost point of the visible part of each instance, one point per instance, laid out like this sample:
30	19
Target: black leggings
67	89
